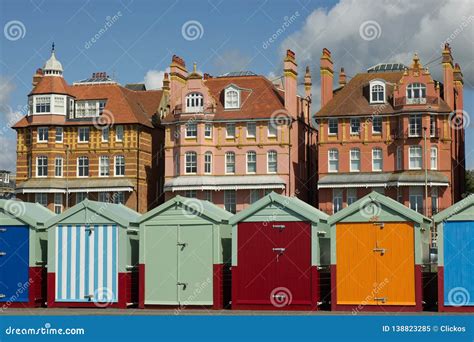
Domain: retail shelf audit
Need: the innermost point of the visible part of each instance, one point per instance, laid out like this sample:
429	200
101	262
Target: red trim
218	287
441	306
125	293
141	286
387	308
301	306
36	290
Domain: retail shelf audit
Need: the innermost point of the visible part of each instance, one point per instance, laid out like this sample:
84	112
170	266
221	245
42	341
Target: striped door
86	263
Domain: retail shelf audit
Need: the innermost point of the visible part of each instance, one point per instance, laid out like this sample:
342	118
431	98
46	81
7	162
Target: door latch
3	253
182	245
381	250
380	224
381	299
2	295
89	297
184	285
279	226
279	250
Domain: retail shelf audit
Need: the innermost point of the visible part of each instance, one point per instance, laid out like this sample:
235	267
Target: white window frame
59	129
119	133
377	87
41	198
433	125
399	156
42	135
58	203
251	161
83	135
434	158
208	162
190	163
191	130
355	120
378	118
272	129
231	103
415	121
230	130
230	200
118	166
104	164
59	103
334	160
354	156
434	200
272	161
412	97
415	198
78	167
229	162
44	166
377	155
46	102
208	130
104	134
337	200
333	123
413	158
58	166
194	102
251	130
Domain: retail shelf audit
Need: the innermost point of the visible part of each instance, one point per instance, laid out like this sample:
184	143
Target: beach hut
92	256
185	255
378	250
455	226
22	253
276	254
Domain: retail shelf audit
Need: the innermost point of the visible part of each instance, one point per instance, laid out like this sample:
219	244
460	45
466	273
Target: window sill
377	133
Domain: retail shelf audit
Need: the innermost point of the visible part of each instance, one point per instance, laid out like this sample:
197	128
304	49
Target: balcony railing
405	101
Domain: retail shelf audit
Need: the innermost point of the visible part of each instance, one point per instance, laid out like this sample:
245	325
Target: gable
6	219
376	212
274	211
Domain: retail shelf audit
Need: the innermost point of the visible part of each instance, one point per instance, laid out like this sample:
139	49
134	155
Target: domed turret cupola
52	66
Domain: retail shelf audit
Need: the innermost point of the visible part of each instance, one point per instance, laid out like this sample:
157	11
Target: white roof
224	183
53	64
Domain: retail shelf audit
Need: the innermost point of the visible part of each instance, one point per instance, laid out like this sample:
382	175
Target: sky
134	41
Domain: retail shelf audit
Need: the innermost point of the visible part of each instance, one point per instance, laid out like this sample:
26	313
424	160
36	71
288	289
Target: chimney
327	75
37	77
290	79
166	82
307	83
438	95
448	76
342	78
179	75
459	87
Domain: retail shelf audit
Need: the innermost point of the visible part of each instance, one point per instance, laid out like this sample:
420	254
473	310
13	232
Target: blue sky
232	35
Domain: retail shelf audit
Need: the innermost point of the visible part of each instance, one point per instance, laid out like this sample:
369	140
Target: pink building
394	130
231	139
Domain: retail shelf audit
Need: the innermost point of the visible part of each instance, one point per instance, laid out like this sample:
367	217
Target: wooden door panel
396	265
356	264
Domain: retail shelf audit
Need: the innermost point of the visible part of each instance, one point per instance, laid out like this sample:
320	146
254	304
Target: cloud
154	79
393	31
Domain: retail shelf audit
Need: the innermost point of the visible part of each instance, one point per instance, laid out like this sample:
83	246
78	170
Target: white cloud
8	117
405	27
154	79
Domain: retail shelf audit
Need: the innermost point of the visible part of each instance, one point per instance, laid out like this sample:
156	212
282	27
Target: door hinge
381	299
3	253
279	226
381	250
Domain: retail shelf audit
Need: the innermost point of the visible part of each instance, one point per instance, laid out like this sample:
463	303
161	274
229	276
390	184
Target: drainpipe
67	176
426	172
290	125
138	165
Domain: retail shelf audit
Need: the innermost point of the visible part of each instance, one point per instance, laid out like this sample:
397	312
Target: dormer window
88	109
232	98
377	92
416	93
194	103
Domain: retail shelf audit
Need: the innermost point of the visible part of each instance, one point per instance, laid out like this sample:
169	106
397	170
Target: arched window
333	160
377	91
194	102
191	162
232	98
208	162
416	93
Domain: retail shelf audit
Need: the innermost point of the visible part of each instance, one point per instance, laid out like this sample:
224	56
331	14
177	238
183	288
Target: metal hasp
381	299
279	226
184	285
381	250
3	253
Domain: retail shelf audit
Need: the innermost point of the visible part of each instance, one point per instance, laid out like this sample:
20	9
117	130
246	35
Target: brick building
232	138
392	129
92	139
